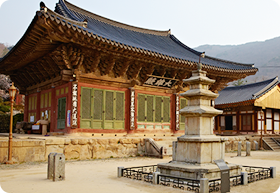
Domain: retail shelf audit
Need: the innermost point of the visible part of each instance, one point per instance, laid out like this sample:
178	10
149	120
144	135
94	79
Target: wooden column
272	114
53	111
38	105
173	114
264	128
256	121
26	104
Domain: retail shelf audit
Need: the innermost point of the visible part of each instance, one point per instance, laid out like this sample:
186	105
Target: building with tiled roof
87	73
242	107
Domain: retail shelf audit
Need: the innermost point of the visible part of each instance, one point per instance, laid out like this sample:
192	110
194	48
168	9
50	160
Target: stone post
248	148
44	124
239	148
273	172
204	185
256	145
50	165
174	145
155	177
120	172
59	167
244	179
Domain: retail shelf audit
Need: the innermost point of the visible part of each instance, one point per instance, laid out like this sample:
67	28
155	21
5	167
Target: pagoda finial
199	65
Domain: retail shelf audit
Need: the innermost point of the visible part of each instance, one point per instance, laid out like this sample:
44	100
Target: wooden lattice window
152	108
102	109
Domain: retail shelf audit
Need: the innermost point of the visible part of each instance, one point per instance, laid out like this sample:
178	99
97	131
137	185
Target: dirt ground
101	176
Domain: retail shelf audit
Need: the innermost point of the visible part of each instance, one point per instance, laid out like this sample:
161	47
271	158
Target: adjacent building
250	108
89	74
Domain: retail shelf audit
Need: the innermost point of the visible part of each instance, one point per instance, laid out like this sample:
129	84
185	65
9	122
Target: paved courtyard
101	176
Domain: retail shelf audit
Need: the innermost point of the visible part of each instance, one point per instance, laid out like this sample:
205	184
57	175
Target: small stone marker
59	167
256	145
239	148
248	148
120	171
50	165
56	166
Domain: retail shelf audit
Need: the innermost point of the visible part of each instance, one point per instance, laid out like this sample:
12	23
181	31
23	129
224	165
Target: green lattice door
153	109
102	109
61	113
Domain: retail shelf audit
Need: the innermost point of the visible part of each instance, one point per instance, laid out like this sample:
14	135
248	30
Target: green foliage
4	108
5	122
239	82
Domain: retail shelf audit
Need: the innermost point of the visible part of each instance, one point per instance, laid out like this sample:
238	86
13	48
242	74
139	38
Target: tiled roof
236	94
158	42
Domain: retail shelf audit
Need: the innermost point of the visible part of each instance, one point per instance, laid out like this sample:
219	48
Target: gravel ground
101	176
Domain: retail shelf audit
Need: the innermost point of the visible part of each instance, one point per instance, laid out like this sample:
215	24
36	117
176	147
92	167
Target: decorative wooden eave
237	104
53	43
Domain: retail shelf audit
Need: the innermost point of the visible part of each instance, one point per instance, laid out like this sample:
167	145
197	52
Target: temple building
89	74
250	108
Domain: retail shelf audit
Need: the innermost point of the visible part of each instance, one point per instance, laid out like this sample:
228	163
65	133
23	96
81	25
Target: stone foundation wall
232	143
28	150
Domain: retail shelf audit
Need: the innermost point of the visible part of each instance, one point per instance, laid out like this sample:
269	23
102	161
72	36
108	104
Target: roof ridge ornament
43	7
199	65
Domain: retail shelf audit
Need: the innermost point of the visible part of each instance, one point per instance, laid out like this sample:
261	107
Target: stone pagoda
194	153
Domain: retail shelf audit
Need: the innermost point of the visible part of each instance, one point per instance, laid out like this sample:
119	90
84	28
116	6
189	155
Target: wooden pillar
173	114
68	106
130	108
238	121
218	124
272	114
38	106
53	111
253	122
256	121
264	128
26	105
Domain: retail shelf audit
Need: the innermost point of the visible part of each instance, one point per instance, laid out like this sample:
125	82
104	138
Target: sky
193	22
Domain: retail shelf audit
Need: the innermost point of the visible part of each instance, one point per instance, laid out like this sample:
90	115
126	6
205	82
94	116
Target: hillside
263	54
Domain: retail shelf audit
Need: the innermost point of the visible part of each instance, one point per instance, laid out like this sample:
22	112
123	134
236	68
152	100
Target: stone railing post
155	177
248	148
204	185
59	167
273	172
256	145
50	165
120	172
239	148
244	178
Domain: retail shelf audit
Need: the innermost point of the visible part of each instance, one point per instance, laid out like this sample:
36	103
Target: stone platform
196	171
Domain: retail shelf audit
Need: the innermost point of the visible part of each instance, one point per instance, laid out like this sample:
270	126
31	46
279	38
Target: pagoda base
196	171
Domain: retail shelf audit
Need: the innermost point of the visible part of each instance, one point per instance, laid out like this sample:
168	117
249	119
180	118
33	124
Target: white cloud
1	1
277	1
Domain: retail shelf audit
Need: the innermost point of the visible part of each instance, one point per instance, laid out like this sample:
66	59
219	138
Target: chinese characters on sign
162	82
177	112
132	109
74	105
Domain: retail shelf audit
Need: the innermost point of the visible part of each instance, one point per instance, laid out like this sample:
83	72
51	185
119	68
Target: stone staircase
272	143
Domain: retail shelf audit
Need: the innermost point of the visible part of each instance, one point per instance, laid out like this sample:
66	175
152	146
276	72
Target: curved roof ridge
184	45
112	22
228	61
274	81
268	81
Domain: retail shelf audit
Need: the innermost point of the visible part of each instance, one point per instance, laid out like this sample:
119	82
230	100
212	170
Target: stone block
103	141
50	165
82	141
59	167
4	143
125	141
72	151
57	141
17	143
92	141
239	148
67	141
113	141
248	148
85	152
53	148
75	141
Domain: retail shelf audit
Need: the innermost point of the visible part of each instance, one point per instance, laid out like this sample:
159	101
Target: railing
257	173
144	173
177	182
